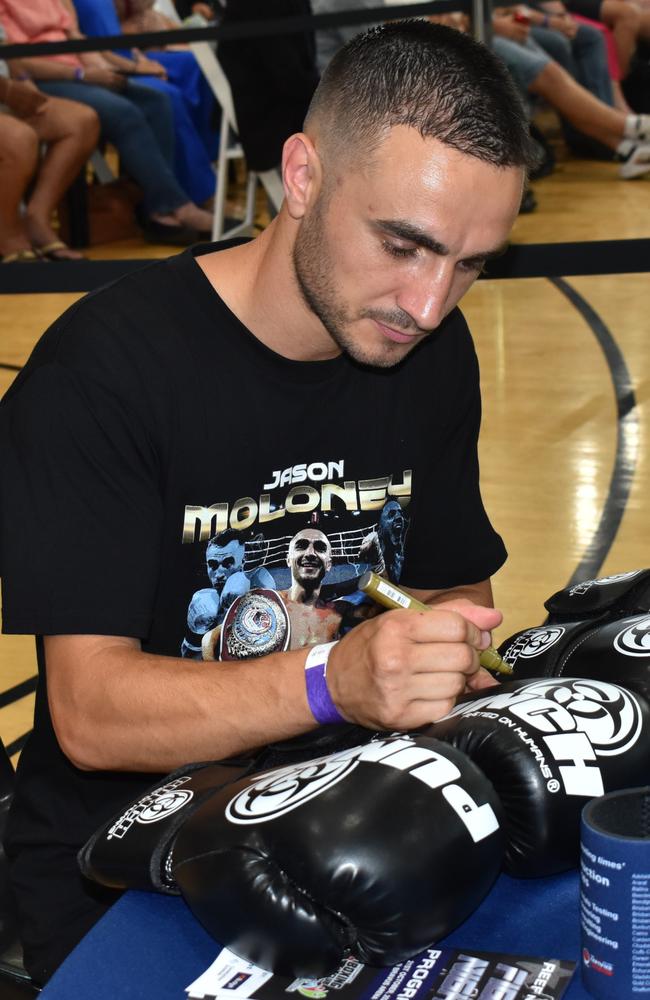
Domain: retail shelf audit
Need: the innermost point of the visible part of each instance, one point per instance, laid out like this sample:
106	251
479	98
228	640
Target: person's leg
18	160
156	106
624	19
581	108
124	124
71	131
590	54
192	166
624	134
585	59
557	46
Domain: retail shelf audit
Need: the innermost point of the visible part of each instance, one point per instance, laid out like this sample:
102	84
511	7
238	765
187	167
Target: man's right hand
405	669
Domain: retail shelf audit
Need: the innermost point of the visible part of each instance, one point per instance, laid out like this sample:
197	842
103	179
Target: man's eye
475	266
397	251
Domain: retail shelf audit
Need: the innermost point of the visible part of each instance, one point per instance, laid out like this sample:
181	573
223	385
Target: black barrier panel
248	29
551	260
536	260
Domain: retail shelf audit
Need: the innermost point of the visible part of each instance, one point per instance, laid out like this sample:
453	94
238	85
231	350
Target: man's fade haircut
433	78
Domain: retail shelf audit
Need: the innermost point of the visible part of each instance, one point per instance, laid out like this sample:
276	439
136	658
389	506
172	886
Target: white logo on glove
635	639
165	805
580	720
286	789
154	806
603	581
534	642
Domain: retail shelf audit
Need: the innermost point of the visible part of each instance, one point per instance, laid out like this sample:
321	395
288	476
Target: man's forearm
123	709
114	707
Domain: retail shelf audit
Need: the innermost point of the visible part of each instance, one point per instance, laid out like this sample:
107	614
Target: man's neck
301	595
257	282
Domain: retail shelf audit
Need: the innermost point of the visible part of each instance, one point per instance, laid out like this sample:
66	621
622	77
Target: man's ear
301	174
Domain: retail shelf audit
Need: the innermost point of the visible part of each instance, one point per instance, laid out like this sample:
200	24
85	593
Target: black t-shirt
149	421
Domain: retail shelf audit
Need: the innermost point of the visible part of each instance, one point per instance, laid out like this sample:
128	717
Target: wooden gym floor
564	477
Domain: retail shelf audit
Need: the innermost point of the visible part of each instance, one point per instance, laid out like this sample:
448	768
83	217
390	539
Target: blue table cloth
150	947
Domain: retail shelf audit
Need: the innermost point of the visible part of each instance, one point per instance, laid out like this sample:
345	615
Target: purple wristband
320	701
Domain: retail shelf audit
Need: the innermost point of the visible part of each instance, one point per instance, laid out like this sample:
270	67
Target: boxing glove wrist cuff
320	701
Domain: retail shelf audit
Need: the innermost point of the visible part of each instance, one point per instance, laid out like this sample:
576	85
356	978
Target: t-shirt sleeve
451	541
81	509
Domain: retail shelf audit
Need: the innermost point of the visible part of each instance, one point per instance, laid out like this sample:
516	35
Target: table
150	947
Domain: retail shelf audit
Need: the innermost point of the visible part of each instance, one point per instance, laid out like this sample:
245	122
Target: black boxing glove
616	650
133	849
374	852
571	640
606	597
548	747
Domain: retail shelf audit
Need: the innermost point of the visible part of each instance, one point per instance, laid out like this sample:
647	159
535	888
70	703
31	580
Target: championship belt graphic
256	624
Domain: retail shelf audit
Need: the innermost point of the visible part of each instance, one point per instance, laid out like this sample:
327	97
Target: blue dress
193	103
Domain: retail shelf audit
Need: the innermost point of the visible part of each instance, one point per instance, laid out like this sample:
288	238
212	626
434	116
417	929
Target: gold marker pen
386	593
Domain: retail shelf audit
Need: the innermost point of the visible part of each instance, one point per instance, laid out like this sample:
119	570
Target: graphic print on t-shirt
281	571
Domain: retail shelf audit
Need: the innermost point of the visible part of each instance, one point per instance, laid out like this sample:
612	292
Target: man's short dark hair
223	538
427	76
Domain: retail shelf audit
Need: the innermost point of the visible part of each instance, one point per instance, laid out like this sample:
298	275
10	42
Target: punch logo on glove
635	639
286	789
153	807
579	721
533	642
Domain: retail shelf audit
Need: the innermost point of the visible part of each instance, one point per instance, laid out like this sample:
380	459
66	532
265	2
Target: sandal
20	257
52	251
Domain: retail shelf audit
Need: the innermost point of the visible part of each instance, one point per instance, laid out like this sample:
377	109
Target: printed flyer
436	974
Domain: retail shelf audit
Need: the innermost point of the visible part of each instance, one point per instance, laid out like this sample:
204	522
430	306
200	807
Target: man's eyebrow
408	231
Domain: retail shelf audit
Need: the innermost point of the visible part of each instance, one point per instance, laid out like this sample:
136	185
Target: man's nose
425	297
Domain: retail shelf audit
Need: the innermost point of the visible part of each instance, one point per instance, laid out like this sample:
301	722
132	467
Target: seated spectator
181	64
627	136
629	23
182	81
620	100
135	118
581	50
578	47
70	132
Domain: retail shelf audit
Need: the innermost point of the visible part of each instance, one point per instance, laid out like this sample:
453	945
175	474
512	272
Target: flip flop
52	251
20	257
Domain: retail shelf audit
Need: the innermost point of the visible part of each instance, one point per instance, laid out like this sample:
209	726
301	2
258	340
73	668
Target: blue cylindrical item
615	895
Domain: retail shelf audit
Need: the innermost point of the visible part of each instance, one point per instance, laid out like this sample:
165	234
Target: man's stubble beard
312	263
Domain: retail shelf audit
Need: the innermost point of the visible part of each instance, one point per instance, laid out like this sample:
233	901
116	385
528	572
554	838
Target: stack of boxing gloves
379	849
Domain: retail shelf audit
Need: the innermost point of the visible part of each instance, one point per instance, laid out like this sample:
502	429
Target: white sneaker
636	163
637	128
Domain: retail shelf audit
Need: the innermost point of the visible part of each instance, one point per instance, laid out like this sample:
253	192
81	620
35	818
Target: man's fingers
445	657
481	679
484	618
437	625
